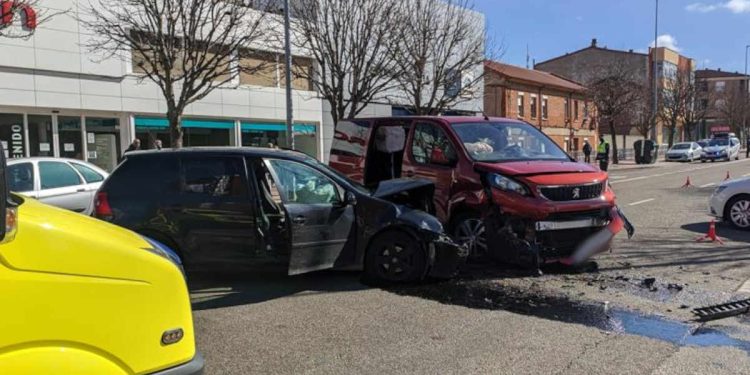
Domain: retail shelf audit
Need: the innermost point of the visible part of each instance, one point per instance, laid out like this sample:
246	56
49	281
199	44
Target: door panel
432	155
61	186
320	224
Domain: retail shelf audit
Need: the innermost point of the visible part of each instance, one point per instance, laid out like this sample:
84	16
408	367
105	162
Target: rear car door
21	179
432	155
321	224
92	178
213	209
60	185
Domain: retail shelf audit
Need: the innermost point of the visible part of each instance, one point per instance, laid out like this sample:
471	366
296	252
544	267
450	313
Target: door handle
81	190
299	220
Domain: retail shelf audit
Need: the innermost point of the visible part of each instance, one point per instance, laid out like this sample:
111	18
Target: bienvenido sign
8	9
16	141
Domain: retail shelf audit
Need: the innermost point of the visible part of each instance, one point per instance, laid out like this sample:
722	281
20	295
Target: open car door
321	219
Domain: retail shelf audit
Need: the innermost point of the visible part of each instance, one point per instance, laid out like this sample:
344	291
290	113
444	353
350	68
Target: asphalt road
501	321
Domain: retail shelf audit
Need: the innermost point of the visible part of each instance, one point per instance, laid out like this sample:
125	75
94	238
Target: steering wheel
513	150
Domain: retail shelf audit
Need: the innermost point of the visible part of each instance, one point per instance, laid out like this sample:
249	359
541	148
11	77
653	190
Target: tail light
102	209
11	224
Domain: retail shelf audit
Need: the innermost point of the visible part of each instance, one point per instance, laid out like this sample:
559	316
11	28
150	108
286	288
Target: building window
719	86
544	107
520	105
533	106
585	109
703	104
703	86
575	109
666	69
566	103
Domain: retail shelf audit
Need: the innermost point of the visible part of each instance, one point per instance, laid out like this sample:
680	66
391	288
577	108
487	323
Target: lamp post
288	78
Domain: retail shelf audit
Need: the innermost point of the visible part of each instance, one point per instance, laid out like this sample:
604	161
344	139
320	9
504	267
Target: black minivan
228	205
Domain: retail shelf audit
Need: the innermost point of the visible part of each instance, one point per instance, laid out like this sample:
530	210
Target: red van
502	186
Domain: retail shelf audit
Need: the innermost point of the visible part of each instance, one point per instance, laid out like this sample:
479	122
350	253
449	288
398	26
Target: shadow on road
723	230
237	286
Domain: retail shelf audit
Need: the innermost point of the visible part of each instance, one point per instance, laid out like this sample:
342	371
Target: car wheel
469	229
737	212
395	257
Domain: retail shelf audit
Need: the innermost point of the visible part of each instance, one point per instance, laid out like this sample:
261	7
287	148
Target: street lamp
746	48
288	78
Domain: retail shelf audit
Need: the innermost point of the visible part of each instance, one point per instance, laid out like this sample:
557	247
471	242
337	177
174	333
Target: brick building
718	89
555	105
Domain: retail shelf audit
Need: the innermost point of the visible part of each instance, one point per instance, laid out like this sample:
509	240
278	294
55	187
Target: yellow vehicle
80	296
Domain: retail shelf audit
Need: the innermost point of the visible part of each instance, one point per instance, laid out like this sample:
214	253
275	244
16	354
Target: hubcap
740	213
471	233
396	262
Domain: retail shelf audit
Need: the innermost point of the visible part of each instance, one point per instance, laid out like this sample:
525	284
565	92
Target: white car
731	202
65	183
722	149
685	151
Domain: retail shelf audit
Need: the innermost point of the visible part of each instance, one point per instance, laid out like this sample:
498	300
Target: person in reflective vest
602	154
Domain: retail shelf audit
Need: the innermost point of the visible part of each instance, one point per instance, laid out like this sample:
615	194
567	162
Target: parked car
703	143
229	204
685	151
502	186
65	183
730	202
721	149
88	297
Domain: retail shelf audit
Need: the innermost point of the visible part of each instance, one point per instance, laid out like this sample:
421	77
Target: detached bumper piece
446	257
725	310
194	367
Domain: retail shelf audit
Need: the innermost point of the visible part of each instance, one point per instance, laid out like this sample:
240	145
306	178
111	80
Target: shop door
103	140
40	135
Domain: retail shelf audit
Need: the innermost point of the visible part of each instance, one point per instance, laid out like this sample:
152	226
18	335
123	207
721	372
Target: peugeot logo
576	193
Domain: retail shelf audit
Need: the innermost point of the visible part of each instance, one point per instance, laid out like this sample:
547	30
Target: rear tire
394	257
737	212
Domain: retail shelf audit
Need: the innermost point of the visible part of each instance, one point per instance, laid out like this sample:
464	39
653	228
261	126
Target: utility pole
654	72
288	78
747	98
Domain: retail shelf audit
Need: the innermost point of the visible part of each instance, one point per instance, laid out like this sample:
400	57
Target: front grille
572	192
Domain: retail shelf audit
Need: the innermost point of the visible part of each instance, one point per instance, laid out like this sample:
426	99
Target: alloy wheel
471	232
396	262
739	213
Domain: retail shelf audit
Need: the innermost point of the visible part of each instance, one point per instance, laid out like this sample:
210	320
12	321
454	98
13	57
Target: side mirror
349	199
7	207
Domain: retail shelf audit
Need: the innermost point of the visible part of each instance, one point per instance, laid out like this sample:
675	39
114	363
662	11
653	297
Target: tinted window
21	177
301	184
54	174
430	144
143	177
88	174
214	177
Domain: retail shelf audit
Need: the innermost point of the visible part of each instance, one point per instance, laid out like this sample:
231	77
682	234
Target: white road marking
708	185
746	175
641	202
617	177
745	288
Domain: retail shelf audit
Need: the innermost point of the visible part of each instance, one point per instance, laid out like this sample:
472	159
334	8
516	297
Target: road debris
725	310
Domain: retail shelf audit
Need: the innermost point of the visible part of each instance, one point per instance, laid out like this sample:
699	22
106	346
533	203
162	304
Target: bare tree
188	48
614	90
699	104
734	107
20	18
349	41
439	54
675	100
641	114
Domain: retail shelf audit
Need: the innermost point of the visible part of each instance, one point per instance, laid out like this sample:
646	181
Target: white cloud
701	7
735	6
738	6
666	40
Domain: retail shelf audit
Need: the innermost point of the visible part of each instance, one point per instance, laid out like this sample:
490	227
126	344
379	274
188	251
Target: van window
350	138
430	143
214	177
143	177
21	177
53	174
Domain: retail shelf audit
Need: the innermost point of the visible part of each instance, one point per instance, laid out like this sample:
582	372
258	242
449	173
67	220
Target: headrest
390	139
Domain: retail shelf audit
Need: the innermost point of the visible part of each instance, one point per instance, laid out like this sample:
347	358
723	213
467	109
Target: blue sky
714	33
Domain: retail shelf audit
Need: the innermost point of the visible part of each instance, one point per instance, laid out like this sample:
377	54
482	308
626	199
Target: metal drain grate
723	310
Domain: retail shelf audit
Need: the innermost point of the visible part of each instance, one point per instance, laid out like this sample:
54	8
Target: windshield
507	141
718	142
681	146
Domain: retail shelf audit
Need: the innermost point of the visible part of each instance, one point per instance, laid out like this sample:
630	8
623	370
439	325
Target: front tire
468	228
737	212
395	257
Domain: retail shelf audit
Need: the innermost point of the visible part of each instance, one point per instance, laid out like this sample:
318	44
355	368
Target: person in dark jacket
586	152
135	145
602	154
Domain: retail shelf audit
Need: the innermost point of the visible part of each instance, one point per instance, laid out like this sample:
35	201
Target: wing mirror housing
349	199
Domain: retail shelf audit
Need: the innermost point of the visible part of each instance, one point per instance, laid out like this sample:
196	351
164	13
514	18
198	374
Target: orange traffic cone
687	183
726	178
711	235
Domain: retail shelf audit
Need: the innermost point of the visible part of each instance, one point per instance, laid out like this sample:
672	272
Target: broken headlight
506	184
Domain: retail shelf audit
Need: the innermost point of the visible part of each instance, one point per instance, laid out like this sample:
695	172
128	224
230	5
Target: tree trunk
615	159
670	141
175	129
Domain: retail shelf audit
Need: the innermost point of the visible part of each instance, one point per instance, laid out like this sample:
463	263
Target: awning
257	126
162	123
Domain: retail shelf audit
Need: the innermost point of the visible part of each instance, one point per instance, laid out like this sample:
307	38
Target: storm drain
723	310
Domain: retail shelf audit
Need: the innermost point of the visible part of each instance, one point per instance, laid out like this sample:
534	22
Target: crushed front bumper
445	257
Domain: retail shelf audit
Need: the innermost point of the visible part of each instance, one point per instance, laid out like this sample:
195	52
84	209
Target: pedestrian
602	154
157	144
586	151
135	145
747	147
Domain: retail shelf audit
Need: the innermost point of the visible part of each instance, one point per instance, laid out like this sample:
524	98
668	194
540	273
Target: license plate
542	226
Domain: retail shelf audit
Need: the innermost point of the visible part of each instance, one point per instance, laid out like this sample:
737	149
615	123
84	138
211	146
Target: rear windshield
507	141
350	138
140	176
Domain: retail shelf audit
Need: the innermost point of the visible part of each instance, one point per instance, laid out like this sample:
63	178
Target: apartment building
723	94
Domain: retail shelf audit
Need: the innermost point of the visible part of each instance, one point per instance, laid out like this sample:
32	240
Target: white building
57	99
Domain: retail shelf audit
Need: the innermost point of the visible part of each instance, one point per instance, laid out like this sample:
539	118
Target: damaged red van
502	186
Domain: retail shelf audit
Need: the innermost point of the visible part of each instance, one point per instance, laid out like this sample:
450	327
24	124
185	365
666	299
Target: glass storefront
70	140
196	132
274	135
13	135
103	142
40	135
